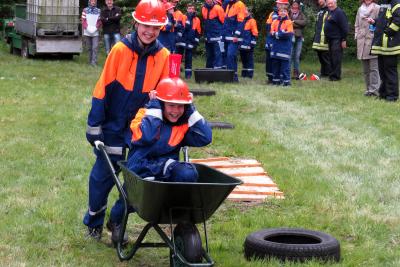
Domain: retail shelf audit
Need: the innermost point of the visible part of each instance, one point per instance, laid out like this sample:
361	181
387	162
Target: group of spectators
230	31
94	18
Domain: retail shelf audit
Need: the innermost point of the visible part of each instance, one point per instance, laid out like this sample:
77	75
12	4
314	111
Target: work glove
94	137
97	144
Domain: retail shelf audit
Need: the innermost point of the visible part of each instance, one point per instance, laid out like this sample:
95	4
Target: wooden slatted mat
257	184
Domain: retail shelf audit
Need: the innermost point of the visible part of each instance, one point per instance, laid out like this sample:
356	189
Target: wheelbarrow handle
101	147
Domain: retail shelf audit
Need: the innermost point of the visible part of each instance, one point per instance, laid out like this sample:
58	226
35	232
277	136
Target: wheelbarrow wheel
188	243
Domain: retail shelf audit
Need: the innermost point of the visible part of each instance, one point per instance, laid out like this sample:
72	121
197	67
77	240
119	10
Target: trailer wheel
24	49
292	244
188	243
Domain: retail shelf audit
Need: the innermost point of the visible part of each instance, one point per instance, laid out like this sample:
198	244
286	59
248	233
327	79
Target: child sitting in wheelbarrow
168	122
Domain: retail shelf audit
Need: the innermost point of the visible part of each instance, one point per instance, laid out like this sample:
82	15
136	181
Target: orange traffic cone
314	77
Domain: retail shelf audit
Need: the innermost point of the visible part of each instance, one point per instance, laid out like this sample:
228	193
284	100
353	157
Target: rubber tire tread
256	246
202	92
221	125
193	251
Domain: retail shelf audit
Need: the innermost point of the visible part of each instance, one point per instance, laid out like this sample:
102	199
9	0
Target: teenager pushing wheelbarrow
162	189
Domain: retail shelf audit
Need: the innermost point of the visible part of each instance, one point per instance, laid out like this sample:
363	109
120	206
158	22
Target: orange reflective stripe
157	68
177	134
135	125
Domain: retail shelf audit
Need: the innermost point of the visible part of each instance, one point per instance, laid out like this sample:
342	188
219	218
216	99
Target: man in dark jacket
386	45
336	29
110	17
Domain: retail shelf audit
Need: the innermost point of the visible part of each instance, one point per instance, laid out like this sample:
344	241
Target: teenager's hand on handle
98	143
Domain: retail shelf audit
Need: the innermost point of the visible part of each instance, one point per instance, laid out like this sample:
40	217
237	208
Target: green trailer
46	27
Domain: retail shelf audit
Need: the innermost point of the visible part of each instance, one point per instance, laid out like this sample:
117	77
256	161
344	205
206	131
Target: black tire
292	244
202	92
220	125
24	49
188	243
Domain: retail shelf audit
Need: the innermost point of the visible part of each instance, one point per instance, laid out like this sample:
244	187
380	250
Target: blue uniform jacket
128	75
154	140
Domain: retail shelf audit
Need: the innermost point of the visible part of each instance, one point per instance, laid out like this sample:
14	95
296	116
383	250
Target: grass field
333	152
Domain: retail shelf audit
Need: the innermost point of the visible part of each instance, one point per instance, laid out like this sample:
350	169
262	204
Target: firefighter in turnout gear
132	69
320	43
386	45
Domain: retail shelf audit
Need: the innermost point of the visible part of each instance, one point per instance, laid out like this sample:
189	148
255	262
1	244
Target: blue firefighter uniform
156	142
167	35
386	44
268	43
128	75
213	17
233	28
247	43
188	36
282	30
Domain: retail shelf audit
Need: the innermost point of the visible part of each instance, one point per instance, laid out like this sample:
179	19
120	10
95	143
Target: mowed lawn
333	152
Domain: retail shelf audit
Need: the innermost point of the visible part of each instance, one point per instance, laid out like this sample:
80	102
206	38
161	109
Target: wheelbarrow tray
174	202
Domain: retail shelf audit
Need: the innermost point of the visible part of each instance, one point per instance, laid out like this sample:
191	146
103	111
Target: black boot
115	228
95	232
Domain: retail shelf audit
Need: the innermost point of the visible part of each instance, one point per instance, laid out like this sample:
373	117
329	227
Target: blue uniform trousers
100	185
268	65
281	71
188	60
247	58
214	56
231	50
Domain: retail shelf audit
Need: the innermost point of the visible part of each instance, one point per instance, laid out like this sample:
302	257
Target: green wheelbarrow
173	203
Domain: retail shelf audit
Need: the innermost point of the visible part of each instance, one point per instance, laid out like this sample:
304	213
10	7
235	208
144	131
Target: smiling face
173	111
147	34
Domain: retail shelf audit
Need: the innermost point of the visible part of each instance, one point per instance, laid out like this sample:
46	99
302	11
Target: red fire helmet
150	12
173	90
